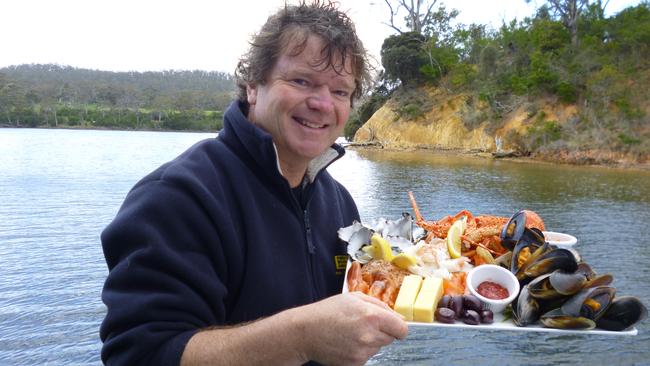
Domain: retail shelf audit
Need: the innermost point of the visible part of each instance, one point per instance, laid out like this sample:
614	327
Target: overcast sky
154	35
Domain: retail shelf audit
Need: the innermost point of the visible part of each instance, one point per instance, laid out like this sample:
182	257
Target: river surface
60	188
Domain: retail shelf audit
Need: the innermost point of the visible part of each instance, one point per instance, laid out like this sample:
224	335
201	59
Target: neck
293	173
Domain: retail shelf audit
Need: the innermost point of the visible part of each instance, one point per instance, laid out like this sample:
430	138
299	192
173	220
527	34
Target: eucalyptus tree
570	11
425	42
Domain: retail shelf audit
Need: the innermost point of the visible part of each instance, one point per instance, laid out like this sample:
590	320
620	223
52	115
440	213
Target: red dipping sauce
492	290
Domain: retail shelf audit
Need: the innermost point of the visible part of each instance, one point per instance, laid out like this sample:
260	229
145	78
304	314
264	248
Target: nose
321	99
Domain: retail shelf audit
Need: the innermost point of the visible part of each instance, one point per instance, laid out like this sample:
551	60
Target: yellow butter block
407	295
427	301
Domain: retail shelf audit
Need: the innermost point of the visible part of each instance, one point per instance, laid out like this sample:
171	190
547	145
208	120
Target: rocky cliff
444	126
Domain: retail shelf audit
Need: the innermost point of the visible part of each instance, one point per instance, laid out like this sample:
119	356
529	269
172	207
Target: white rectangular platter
508	324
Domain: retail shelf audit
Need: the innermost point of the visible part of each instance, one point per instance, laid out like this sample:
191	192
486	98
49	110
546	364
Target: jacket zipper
310	243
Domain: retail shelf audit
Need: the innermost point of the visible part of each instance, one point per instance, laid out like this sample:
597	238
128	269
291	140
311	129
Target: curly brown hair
293	24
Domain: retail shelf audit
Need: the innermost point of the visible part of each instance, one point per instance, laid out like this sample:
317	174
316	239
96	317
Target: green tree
402	56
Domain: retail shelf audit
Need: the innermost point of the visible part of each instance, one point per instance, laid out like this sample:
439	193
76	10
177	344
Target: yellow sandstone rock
427	300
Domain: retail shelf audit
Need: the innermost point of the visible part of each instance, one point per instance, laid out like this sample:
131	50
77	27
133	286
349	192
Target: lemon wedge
463	220
453	238
381	248
404	261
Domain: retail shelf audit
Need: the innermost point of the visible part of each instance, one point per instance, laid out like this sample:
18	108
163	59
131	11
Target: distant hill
55	95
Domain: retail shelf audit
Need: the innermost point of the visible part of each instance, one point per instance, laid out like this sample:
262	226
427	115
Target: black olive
471	317
445	315
444	302
487	317
456	304
472	302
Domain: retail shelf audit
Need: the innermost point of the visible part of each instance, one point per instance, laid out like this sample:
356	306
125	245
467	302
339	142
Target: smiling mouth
308	124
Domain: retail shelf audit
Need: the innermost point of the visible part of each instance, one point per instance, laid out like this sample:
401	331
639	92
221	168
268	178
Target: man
228	254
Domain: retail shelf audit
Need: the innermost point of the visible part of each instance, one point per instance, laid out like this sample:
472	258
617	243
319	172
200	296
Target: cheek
343	114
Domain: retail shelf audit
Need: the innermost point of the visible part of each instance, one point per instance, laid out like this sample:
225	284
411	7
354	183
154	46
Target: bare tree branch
415	18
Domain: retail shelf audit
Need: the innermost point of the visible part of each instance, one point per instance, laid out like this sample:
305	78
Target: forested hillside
63	96
568	56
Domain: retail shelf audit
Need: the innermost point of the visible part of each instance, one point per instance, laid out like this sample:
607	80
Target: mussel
561	283
557	319
525	309
541	288
582	310
546	263
623	313
533	242
513	230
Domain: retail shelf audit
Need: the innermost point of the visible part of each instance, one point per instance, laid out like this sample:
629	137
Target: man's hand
345	329
348	329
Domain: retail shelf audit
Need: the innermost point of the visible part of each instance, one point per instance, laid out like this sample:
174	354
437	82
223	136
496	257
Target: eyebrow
301	71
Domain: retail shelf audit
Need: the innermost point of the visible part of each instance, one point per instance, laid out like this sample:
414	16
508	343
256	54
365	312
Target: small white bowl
496	274
559	239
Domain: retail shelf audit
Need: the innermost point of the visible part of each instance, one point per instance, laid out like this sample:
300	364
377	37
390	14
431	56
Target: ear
251	94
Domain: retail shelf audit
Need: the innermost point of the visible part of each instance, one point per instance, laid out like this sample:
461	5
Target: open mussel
542	289
582	310
623	313
557	319
513	230
561	283
547	262
590	303
529	247
567	283
525	309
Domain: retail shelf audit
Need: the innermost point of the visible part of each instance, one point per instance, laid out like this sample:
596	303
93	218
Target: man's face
302	106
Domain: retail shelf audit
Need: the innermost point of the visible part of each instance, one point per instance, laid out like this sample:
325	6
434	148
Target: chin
312	151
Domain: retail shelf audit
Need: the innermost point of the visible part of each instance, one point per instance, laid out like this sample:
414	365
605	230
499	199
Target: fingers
391	323
372	300
397	328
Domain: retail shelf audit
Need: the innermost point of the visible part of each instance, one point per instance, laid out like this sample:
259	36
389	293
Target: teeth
310	125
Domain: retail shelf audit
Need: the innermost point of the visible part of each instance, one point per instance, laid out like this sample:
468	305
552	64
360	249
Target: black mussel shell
541	288
513	230
590	303
623	314
558	319
525	309
548	262
601	280
568	283
535	244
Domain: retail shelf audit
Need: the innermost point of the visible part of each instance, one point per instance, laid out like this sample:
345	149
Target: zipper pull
310	244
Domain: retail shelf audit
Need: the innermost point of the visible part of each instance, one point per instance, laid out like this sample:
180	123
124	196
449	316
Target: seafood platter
484	272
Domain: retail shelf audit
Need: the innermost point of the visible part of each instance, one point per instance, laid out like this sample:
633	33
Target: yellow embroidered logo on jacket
340	261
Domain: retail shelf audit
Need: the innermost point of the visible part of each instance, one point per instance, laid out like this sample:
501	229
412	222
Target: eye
342	93
301	82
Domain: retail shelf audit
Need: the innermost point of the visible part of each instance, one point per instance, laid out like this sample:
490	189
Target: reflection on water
58	189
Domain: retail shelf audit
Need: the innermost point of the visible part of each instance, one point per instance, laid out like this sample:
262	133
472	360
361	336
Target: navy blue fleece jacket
216	237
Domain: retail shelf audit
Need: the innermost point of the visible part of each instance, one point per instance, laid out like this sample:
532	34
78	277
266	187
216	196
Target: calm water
59	189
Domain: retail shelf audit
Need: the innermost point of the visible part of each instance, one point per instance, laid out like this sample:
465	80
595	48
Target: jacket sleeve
162	250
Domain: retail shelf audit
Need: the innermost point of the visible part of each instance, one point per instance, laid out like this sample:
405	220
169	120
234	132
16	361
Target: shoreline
105	129
574	160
